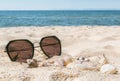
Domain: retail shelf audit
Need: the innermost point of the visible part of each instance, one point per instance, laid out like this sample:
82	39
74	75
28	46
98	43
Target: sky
59	4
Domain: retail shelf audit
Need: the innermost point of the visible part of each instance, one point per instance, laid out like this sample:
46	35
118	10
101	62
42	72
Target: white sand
76	41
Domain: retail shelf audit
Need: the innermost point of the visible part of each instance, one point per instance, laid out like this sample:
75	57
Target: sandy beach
99	44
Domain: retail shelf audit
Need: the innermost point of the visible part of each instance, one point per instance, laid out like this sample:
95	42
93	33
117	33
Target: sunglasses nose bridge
36	45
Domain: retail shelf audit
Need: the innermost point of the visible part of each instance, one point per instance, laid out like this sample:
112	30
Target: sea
40	18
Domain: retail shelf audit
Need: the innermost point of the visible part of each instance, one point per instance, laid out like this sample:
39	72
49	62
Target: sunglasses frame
19	40
49	37
32	44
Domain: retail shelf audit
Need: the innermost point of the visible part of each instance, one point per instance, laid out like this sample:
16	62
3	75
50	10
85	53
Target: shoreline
61	26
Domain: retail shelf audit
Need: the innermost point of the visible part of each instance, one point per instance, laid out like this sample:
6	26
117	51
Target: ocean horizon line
66	10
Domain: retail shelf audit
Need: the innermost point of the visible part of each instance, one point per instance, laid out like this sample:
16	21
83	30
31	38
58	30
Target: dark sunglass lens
51	46
20	50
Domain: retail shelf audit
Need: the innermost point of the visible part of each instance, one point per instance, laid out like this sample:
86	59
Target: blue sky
59	4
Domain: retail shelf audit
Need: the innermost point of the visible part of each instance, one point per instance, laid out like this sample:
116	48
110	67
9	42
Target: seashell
109	69
103	60
67	60
32	63
59	62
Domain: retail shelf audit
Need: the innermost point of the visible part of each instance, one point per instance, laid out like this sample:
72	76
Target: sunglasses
23	49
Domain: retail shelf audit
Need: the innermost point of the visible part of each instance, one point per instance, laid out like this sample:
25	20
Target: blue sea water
59	18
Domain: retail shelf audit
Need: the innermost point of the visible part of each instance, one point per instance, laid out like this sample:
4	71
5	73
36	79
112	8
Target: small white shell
103	60
109	69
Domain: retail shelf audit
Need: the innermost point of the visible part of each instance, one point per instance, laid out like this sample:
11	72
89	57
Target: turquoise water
59	18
